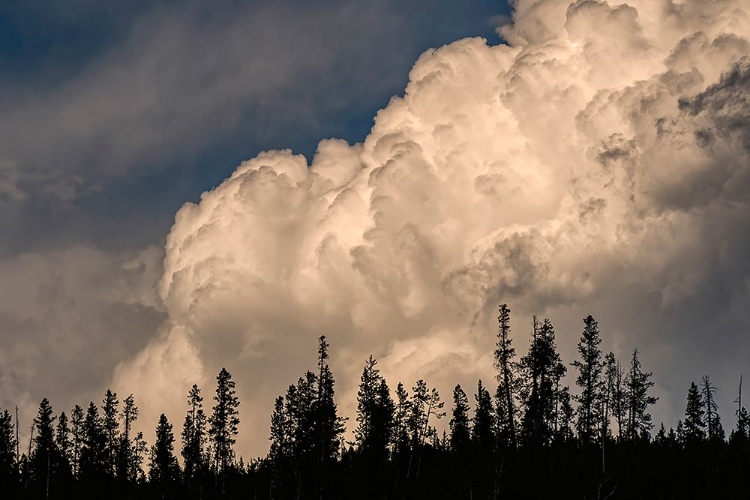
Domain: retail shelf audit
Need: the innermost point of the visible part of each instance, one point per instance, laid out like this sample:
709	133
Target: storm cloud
597	163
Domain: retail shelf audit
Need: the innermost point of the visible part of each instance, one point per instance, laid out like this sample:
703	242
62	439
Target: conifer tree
281	434
93	461
543	369
507	379
62	440
224	421
164	468
714	430
615	375
693	426
590	368
111	425
374	412
76	431
401	438
329	425
8	459
483	423
459	424
125	449
638	383
193	434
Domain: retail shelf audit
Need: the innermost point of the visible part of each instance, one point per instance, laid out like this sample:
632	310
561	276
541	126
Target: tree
459	424
125	450
76	432
693	426
484	421
163	464
714	430
329	425
401	438
111	427
224	421
638	383
62	440
375	410
8	458
543	369
615	376
589	379
93	452
193	434
44	445
505	363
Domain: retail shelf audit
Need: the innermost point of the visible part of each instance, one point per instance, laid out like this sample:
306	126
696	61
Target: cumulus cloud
599	162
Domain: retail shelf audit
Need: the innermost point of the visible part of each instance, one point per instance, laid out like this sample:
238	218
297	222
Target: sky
185	188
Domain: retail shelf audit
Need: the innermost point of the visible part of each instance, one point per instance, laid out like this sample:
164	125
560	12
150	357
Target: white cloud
559	174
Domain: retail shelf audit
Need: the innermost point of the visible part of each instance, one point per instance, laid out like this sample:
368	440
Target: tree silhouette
693	425
163	467
638	383
224	421
459	424
507	379
589	379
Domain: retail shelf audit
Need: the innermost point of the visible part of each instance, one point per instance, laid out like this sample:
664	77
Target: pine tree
589	379
366	436
193	434
638	383
125	449
483	423
714	430
543	370
507	368
693	426
617	396
8	459
76	431
163	469
329	425
44	443
111	425
459	424
281	434
224	421
62	440
401	440
93	461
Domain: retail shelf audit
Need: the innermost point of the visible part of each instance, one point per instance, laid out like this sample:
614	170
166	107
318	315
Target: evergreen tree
224	421
163	467
193	434
281	434
374	412
125	450
483	423
507	379
714	430
48	467
62	440
93	461
401	438
693	426
329	425
638	383
76	431
589	379
543	369
8	459
618	407
459	424
111	425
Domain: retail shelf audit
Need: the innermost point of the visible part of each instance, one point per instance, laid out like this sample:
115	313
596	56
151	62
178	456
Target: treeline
525	436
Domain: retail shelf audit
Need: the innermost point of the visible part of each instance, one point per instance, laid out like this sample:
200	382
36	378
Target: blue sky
103	137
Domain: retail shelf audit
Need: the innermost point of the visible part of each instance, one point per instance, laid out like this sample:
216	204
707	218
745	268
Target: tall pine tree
224	421
590	381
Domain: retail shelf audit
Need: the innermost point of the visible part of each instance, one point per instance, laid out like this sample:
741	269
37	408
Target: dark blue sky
113	114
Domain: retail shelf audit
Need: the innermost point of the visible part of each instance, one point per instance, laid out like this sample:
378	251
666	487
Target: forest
522	435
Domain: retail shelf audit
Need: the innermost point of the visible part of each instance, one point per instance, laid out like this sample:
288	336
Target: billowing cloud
599	162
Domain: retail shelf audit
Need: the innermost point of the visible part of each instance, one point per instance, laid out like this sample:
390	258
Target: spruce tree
125	450
693	425
8	459
63	442
224	421
111	425
459	424
164	469
590	368
484	421
193	434
401	440
76	431
638	383
93	461
329	425
507	379
714	430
